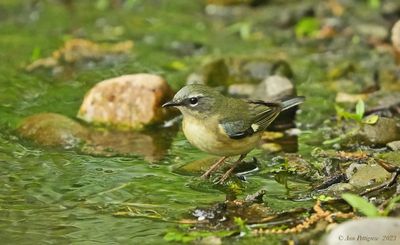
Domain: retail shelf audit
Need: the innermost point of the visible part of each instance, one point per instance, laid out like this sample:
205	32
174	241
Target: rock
384	103
394	145
242	90
271	147
129	101
51	129
294	163
339	188
373	31
256	69
351	78
239	70
216	73
353	168
369	175
396	36
225	213
225	11
196	167
390	10
393	157
210	240
199	166
380	133
356	83
195	78
187	48
396	41
342	97
80	50
274	88
365	231
230	8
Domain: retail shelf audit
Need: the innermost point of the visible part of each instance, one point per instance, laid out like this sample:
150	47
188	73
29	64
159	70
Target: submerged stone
196	167
51	129
339	188
201	165
129	101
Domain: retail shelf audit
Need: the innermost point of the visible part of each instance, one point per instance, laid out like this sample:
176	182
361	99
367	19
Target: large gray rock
273	88
371	231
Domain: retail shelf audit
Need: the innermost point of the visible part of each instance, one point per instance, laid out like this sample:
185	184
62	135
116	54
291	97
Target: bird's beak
171	103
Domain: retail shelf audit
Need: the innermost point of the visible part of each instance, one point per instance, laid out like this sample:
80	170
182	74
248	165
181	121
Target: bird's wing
258	116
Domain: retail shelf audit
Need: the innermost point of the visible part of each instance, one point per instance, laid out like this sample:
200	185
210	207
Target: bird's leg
229	172
213	167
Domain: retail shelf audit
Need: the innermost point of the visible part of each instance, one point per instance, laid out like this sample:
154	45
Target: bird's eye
193	101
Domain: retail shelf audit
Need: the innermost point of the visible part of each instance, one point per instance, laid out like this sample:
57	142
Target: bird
222	125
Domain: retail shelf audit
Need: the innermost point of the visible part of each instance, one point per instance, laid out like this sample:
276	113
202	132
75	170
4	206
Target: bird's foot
214	167
206	175
224	177
228	173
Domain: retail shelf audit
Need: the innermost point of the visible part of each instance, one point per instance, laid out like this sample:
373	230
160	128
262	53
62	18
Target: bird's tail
289	103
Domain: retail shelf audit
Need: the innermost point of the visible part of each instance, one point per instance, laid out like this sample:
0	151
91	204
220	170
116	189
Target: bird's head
196	100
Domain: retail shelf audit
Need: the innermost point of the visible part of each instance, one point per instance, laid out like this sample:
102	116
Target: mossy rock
370	175
51	129
392	157
384	131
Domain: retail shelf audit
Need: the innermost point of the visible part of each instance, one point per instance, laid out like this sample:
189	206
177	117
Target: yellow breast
209	137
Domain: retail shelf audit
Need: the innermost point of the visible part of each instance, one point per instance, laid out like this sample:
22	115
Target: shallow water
65	196
51	196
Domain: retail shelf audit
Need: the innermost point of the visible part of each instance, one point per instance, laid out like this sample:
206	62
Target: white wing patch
255	127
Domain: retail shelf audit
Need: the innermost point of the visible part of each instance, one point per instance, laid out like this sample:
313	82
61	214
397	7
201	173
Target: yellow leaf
371	119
